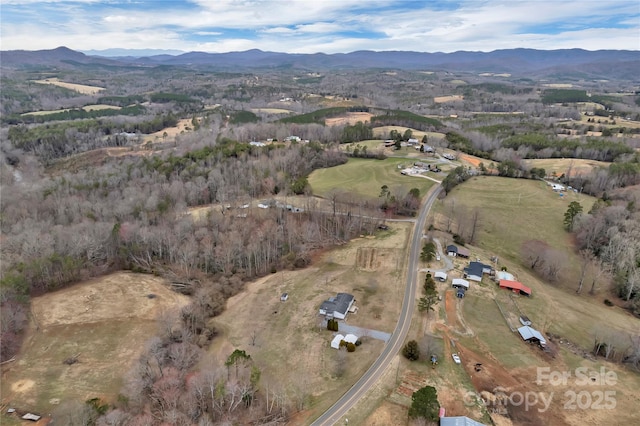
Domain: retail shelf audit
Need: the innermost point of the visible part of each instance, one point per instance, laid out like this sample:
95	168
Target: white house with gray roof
337	306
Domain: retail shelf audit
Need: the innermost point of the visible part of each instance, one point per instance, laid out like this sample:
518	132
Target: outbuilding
441	276
532	335
460	283
516	287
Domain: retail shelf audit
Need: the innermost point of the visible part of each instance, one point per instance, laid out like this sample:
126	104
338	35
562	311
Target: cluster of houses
475	271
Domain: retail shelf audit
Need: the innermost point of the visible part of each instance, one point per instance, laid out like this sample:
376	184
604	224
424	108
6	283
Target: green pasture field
513	211
365	177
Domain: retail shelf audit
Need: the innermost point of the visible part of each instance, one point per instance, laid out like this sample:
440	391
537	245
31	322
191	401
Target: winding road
373	374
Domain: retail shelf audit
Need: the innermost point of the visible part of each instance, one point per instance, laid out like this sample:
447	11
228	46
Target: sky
311	26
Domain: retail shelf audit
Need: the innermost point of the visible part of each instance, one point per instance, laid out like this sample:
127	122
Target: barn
532	335
516	287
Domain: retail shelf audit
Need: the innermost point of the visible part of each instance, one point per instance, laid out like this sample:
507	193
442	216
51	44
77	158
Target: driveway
361	331
448	264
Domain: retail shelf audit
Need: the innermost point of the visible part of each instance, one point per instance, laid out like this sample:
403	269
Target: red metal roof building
515	286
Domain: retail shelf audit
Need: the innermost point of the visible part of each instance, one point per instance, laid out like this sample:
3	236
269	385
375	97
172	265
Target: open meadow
289	340
567	166
102	323
365	177
80	88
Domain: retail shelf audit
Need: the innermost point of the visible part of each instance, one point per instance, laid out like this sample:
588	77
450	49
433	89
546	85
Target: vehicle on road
456	358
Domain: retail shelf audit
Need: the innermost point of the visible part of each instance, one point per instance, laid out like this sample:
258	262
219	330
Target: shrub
608	302
350	347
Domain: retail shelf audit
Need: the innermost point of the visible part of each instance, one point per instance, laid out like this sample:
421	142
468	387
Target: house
459	421
256	143
440	276
475	270
460	283
427	148
284	297
338	306
460	292
516	287
532	335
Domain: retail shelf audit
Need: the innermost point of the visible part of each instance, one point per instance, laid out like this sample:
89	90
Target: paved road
373	374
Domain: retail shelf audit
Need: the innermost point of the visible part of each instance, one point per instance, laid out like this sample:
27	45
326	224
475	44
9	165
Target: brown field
450	98
80	88
184	125
105	321
565	165
86	108
349	118
370	268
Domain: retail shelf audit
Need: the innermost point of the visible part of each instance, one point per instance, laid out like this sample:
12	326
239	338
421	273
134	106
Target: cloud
321	26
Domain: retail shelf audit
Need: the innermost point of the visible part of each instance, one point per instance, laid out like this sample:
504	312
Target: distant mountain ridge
594	64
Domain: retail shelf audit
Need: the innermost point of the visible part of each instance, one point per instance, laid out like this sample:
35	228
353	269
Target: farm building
335	343
338	306
440	276
504	275
516	287
532	335
349	338
454	251
460	283
459	421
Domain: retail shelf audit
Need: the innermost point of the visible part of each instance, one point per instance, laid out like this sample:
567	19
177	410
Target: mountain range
579	63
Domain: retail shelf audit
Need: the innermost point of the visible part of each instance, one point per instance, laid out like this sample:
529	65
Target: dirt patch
469	159
372	258
349	118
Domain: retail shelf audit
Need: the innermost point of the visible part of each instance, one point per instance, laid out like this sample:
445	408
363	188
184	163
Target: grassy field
271	110
105	322
290	345
513	211
95	107
80	88
366	177
564	165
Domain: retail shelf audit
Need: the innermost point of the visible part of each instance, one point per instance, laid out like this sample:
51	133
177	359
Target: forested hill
566	62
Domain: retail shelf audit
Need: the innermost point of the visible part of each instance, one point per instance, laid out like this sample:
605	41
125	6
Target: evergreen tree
424	403
411	351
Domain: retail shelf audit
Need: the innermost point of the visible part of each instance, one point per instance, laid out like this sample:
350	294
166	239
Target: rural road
391	349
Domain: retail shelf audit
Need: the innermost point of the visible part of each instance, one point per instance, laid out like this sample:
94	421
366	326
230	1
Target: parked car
456	358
